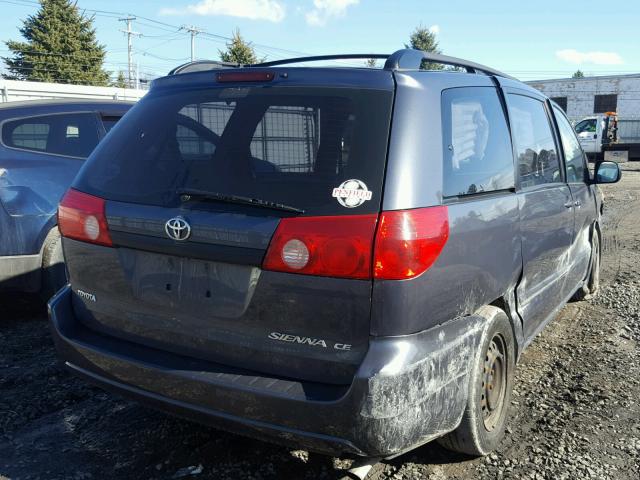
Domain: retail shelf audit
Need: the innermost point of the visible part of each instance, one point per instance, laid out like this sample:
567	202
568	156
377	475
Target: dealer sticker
352	193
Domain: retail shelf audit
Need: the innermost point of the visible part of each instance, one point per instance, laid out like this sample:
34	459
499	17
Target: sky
529	40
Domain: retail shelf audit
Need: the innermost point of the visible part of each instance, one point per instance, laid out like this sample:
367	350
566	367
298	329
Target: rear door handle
577	203
569	204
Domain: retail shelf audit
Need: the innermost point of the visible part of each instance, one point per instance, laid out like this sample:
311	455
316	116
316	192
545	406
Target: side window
477	148
573	156
538	161
586	126
71	135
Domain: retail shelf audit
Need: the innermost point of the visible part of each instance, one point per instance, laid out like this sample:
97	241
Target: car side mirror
607	172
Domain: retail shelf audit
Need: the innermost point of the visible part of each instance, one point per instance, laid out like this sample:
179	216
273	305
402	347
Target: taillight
408	242
81	217
326	246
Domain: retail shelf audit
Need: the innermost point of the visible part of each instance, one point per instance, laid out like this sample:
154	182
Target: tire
489	392
54	274
592	285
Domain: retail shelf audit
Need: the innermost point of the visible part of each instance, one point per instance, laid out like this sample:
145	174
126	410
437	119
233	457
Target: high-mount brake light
227	77
82	217
331	246
408	242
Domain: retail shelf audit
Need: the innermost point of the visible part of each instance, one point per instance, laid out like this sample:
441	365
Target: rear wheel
489	392
54	275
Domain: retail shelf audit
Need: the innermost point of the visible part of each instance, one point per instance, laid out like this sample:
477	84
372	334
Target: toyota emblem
177	228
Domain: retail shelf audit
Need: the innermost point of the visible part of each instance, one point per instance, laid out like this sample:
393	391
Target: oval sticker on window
352	193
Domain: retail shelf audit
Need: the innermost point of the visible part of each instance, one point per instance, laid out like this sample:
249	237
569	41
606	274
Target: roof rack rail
405	59
320	58
410	59
201	66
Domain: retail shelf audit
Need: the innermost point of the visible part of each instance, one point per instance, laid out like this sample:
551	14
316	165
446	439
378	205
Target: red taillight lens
408	242
325	246
81	217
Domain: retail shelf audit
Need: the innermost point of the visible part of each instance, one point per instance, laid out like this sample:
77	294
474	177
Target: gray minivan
345	259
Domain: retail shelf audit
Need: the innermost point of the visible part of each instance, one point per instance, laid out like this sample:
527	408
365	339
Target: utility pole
130	33
193	31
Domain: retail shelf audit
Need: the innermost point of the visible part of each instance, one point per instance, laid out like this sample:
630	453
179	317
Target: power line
183	59
158	24
156	45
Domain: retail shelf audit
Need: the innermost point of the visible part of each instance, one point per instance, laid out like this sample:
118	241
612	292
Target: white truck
605	136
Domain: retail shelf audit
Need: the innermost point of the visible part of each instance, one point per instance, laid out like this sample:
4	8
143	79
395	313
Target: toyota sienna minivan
349	260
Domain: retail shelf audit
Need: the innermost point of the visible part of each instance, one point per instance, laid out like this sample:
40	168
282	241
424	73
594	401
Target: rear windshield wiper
187	194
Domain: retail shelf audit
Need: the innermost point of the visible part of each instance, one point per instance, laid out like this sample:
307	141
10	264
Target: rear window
289	145
109	122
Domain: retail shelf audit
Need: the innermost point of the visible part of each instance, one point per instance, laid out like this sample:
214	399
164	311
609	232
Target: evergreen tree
60	46
578	74
423	39
121	81
239	51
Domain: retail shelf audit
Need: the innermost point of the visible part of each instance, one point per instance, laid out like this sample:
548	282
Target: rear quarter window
69	134
477	149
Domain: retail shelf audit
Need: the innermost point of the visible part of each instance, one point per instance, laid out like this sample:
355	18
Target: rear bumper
408	390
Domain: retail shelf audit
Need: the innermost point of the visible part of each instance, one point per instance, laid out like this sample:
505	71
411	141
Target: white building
581	97
14	90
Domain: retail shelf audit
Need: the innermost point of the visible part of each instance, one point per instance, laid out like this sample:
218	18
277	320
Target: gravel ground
574	414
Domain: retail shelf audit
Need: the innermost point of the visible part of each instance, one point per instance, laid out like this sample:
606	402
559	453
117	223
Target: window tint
573	156
477	149
588	126
30	135
192	144
109	122
214	116
535	146
287	138
290	145
199	126
73	135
